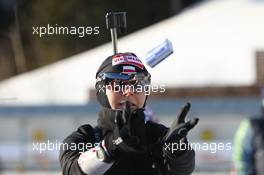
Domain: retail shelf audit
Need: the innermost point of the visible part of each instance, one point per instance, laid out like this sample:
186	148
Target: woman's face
116	99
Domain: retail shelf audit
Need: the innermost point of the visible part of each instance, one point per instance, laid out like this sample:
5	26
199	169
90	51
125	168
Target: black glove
177	161
178	131
123	131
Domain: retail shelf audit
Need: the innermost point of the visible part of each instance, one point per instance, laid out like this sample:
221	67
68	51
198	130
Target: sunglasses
117	80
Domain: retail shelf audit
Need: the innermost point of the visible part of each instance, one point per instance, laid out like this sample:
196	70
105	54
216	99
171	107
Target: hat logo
128	70
127	59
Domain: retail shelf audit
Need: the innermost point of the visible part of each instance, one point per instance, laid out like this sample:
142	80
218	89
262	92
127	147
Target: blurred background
47	83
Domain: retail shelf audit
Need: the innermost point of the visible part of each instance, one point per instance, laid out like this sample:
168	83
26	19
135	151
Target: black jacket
151	163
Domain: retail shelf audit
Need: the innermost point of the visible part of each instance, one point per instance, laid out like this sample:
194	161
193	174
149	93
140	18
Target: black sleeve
70	151
168	164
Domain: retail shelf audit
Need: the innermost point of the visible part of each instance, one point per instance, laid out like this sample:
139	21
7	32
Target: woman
127	143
